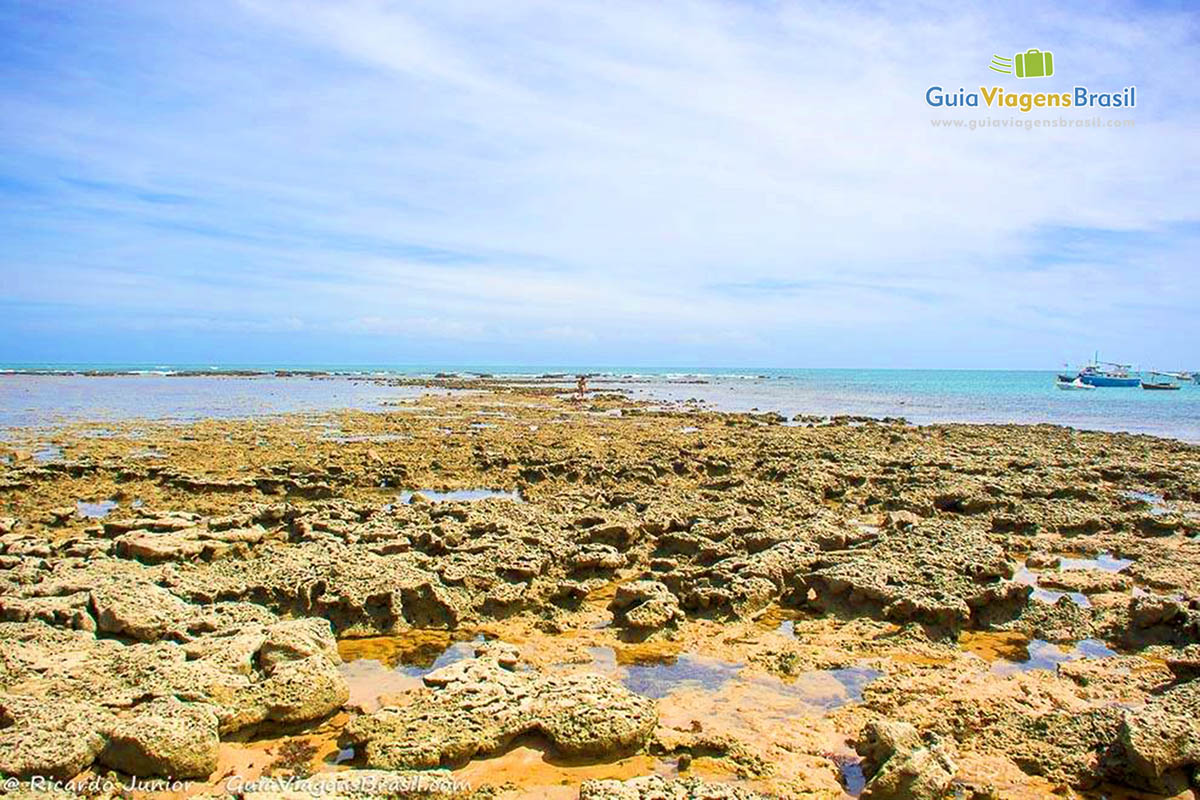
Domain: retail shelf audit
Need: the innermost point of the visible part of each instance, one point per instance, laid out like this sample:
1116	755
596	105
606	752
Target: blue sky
691	182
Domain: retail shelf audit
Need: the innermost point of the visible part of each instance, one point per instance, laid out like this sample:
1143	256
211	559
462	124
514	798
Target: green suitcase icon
1034	63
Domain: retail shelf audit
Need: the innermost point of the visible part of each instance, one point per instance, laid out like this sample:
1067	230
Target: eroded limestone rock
165	738
296	691
655	787
477	706
1161	740
646	605
944	576
53	738
899	766
140	611
291	640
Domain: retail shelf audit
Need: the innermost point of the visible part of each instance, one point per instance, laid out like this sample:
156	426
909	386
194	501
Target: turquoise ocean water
921	396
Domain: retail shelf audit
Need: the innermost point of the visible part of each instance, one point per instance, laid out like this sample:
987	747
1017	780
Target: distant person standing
581	388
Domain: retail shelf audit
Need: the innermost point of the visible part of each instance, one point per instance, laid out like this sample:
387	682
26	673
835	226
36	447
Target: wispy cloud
693	181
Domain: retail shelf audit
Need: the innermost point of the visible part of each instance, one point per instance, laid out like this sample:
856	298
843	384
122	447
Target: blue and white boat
1105	373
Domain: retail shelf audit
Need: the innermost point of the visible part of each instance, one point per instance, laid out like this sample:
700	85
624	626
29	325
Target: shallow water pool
683	672
1029	578
463	495
1105	561
1047	655
380	666
94	510
814	690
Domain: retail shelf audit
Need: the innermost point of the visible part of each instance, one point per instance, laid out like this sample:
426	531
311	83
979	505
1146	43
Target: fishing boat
1160	386
1069	385
1109	374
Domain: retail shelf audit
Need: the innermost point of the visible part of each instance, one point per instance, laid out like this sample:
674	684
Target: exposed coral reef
172	592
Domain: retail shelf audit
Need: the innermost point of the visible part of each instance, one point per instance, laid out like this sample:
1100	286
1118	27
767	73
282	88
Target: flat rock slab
478	706
165	738
657	788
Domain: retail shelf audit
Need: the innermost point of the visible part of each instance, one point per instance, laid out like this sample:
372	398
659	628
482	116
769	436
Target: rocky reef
173	594
480	705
